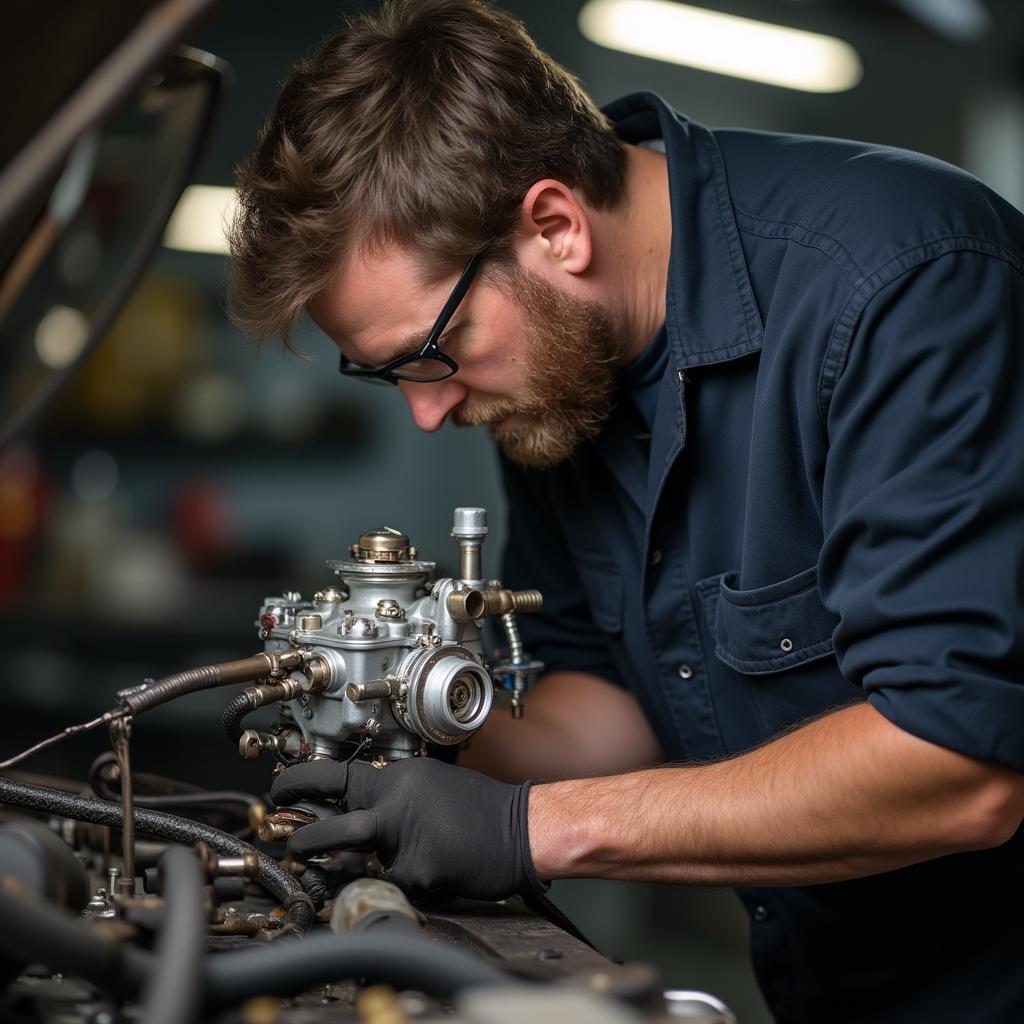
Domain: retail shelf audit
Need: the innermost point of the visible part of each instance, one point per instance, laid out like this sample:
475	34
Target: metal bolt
250	745
307	712
308	623
372	727
389	608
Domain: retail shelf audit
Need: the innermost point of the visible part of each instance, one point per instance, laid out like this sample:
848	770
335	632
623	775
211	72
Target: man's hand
438	830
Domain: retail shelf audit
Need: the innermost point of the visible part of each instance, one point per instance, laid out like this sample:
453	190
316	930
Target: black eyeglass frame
430	348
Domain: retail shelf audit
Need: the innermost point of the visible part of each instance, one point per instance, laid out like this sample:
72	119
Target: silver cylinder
469	528
449	696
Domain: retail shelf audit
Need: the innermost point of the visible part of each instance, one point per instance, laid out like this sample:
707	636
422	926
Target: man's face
535	362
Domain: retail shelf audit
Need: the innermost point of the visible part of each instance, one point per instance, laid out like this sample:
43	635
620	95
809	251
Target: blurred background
182	475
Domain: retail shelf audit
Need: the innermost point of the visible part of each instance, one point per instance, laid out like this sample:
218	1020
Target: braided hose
149	694
297	904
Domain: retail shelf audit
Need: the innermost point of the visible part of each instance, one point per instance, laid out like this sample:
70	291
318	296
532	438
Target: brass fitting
281	824
469	605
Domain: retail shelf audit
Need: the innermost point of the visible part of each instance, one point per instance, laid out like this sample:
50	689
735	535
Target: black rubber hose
142	782
33	930
170	792
241	705
298	906
314	881
38	932
402	961
173	991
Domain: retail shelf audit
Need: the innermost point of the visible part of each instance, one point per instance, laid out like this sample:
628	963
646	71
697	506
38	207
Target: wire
71	730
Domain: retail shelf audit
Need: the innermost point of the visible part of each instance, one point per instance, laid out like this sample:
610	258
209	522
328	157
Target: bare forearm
845	796
575	725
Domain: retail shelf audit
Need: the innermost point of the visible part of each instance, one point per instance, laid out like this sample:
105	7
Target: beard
571	349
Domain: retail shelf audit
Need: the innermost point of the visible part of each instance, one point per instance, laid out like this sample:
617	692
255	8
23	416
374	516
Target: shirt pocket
769	629
601	578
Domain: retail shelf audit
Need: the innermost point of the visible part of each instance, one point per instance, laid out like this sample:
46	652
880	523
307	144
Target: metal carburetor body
392	659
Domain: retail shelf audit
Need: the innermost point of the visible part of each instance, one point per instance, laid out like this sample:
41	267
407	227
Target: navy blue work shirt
828	508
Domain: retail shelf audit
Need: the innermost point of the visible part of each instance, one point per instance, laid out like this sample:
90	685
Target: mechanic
760	404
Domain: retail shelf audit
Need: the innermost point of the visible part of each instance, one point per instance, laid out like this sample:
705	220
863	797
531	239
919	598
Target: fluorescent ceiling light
200	220
723	43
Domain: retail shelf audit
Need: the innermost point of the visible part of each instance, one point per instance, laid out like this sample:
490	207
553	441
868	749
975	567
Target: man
760	404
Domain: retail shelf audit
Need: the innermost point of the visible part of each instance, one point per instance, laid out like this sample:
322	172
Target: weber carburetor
391	659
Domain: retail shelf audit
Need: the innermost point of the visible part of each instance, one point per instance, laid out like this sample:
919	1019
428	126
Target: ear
554	227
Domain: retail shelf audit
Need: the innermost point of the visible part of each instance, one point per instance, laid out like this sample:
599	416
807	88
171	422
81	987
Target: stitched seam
834	361
816	235
776	661
772	600
726	213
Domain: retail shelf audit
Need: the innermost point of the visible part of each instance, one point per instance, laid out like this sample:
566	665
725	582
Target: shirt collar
710	312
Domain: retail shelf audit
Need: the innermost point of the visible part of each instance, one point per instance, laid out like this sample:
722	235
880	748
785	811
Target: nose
431	403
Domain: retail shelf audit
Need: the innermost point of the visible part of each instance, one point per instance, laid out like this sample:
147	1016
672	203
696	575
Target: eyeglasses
428	363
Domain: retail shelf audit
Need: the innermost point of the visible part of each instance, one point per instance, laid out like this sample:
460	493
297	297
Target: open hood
109	121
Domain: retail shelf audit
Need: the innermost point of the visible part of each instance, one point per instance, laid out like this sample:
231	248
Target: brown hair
422	125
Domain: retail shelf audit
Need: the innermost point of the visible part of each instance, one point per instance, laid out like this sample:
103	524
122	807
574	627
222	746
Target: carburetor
391	660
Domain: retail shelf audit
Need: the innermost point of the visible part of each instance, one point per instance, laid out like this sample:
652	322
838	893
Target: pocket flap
771	628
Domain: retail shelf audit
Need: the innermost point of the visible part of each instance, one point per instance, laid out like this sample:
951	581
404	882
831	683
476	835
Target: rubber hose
155	785
33	930
402	961
314	881
39	932
241	705
142	698
173	991
298	906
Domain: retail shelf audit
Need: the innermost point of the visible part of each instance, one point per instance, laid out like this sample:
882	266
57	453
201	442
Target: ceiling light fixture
723	43
200	220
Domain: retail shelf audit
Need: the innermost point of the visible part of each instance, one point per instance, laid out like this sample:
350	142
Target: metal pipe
469	530
120	734
372	689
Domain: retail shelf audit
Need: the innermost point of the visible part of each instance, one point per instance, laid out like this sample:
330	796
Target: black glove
438	830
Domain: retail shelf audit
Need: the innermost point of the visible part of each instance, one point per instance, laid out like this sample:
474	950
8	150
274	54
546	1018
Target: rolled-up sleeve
923	505
563	634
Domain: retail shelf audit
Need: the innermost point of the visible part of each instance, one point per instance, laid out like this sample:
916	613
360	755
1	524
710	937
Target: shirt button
760	913
655	556
685	672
